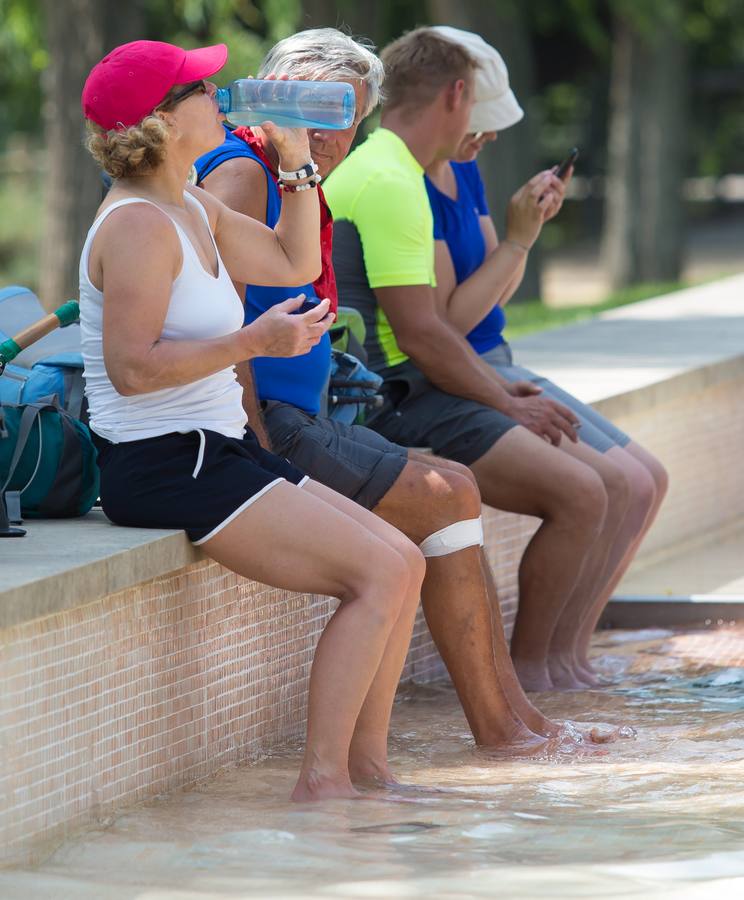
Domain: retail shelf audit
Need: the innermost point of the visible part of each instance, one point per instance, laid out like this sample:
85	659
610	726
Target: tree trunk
664	102
644	215
74	35
622	192
506	165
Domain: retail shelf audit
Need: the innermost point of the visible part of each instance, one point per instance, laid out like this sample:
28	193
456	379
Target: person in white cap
476	277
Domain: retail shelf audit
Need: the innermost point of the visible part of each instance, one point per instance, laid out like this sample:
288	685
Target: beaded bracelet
293	188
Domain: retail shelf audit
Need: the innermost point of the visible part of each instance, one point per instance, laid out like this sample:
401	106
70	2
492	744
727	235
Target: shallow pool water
660	815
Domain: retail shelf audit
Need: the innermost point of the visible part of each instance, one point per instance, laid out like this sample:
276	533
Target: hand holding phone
566	164
307	304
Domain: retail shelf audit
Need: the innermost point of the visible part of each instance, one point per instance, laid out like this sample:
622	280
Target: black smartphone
307	305
563	167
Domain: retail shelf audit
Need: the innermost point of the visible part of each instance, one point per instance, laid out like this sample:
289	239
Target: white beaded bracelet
293	188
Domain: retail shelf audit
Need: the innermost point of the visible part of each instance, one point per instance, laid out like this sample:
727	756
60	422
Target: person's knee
659	475
643	489
585	501
432	498
384	580
414	561
456	497
648	480
619	487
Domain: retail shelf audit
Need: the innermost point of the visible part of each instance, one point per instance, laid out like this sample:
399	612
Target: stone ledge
62	564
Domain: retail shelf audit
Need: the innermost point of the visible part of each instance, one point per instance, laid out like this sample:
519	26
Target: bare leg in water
565	670
649	484
523	474
430	494
300	539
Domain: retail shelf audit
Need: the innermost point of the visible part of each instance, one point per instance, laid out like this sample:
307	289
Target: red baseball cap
133	79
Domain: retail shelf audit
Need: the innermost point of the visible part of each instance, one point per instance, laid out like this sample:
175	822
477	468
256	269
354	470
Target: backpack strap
5	529
28	417
66	486
74	392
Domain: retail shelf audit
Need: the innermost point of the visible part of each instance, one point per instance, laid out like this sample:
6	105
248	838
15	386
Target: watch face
192	177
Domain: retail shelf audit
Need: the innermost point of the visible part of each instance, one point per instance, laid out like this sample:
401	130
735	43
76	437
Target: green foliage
22	60
20	222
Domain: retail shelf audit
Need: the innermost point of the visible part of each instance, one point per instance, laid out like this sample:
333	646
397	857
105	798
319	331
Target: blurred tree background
650	91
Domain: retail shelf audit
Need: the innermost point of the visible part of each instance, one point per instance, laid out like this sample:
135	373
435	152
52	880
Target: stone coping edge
89	581
671	388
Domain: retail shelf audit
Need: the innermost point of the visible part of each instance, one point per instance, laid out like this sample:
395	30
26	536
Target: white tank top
201	307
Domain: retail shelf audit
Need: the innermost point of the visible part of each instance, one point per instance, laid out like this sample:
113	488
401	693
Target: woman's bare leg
616	536
650	483
368	751
293	539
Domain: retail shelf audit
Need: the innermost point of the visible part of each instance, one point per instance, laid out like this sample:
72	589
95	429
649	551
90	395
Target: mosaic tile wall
163	684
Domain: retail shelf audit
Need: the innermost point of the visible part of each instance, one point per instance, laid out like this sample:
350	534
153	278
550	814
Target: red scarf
325	285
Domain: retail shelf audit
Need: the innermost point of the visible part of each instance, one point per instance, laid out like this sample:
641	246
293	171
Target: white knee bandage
457	536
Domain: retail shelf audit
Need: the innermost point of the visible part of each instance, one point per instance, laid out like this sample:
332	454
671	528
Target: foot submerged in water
312	786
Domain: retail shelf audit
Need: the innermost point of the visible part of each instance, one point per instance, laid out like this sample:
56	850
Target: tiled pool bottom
658	816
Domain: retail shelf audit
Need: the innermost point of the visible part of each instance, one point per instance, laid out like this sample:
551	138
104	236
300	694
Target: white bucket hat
495	106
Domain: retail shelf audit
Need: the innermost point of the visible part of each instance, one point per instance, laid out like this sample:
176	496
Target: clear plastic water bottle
291	104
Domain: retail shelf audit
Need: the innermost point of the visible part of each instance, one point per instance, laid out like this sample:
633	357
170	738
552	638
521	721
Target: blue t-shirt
457	223
299	380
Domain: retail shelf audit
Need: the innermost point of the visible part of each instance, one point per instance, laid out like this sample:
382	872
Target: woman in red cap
162	329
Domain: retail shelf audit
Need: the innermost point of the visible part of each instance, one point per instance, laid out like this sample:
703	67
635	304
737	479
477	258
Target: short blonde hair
419	64
132	151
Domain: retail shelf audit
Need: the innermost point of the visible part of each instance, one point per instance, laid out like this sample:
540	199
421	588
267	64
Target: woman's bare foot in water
532	718
315	785
364	770
533	676
589	676
516	740
564	675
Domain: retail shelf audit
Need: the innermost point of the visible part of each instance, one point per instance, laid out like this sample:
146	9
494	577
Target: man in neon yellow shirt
439	393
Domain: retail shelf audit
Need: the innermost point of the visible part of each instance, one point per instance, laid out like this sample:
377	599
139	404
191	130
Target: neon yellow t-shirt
383	233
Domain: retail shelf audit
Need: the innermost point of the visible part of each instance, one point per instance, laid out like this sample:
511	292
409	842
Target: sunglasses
196	87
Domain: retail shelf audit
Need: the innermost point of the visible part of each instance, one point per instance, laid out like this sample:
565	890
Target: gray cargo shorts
351	459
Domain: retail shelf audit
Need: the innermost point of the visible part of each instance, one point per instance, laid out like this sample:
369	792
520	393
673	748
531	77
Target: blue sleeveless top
457	223
299	380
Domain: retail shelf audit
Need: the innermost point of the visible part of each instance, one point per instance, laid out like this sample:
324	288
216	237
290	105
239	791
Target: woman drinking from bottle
162	331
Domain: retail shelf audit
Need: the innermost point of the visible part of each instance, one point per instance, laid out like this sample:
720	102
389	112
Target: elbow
126	386
416	342
126	380
308	272
409	344
295	275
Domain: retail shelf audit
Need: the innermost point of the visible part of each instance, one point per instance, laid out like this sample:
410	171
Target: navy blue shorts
198	481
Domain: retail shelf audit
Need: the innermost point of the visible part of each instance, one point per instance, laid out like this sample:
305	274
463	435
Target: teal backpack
47	458
48	463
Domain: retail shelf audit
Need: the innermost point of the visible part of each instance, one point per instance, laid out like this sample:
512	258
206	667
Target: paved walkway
637	345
